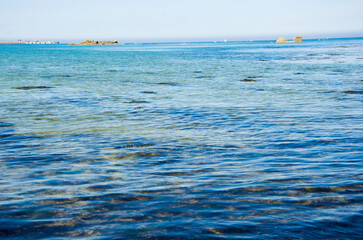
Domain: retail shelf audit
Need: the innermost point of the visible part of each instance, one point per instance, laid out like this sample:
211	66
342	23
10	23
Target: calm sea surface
236	140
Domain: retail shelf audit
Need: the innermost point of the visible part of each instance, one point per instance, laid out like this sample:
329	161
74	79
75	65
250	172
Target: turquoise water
236	140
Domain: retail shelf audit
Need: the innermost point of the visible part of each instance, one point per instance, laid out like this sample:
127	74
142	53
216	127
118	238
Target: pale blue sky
178	20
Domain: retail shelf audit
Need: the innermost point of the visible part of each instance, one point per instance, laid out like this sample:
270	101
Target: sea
208	140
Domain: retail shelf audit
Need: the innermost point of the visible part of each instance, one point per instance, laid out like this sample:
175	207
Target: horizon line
182	41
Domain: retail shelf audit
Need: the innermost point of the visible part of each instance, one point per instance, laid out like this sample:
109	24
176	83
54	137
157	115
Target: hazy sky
184	20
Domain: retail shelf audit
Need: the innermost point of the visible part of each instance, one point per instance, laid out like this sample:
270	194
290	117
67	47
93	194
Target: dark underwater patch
32	87
148	92
4	124
53	76
204	76
251	79
248	80
113	71
353	92
137	101
167	83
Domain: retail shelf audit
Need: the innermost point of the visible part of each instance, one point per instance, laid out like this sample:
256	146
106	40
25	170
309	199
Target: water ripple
172	141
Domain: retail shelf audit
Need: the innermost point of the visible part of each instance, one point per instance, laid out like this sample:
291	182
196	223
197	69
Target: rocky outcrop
92	42
296	40
281	40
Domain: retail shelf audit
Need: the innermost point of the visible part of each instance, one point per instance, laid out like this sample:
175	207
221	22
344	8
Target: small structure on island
298	39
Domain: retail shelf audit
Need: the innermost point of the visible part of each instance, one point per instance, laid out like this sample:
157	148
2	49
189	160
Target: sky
178	20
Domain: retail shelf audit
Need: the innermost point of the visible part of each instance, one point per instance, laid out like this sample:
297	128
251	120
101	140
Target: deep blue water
236	140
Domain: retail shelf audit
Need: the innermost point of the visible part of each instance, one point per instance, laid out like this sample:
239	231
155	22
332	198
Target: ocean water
236	140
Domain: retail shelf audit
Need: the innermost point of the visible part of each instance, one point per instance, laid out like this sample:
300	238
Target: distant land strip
9	42
28	42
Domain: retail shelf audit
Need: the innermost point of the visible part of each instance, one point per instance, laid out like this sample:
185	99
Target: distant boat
224	41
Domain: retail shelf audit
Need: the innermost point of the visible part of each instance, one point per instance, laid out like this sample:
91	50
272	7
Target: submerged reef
353	92
32	87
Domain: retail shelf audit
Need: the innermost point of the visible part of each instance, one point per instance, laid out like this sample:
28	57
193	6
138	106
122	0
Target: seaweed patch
353	92
31	87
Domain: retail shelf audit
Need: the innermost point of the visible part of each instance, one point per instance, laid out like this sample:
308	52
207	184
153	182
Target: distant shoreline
166	42
29	42
11	42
